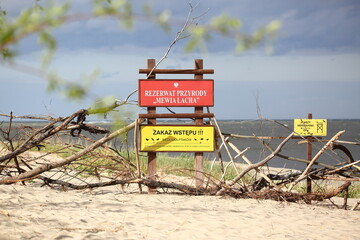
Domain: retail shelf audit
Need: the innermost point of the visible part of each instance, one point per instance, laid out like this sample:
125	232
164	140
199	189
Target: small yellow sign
310	127
176	138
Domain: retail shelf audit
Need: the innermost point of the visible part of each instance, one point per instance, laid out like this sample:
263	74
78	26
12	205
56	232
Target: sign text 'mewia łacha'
176	93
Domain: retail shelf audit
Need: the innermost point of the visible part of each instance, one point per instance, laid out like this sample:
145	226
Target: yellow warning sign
310	127
176	138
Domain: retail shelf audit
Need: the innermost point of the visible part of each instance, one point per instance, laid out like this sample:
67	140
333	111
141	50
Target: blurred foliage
45	16
35	20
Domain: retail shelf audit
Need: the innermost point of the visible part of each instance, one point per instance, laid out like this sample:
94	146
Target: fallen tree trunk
272	194
144	181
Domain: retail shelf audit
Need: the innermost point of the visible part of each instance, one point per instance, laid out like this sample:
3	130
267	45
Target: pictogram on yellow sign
176	138
310	127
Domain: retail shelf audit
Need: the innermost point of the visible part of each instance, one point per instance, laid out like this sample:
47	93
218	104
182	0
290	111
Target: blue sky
315	67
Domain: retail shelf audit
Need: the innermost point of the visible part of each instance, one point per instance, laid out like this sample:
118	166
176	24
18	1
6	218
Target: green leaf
198	37
75	91
6	53
49	42
126	15
54	82
103	105
163	20
273	26
191	44
148	10
225	24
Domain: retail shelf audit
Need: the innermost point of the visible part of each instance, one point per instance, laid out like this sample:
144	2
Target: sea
296	148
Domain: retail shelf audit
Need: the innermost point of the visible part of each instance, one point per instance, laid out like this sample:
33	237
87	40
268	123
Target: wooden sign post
309	157
197	93
151	121
199	156
308	128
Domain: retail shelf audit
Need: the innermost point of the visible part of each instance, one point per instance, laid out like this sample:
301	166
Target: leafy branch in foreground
42	20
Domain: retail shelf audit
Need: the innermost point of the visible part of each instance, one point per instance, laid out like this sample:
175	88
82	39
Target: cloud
327	67
306	25
319	44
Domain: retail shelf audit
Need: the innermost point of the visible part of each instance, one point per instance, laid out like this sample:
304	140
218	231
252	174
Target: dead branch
145	181
264	161
47	131
296	197
339	178
322	150
121	171
239	153
253	137
256	165
45	118
181	187
49	181
264	181
303	160
355	206
179	36
227	149
343	167
49	166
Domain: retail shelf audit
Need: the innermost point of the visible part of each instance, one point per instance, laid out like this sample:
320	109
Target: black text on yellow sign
310	127
176	138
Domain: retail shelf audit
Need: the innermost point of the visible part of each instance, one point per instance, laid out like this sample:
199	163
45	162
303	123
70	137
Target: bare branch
327	145
47	167
179	35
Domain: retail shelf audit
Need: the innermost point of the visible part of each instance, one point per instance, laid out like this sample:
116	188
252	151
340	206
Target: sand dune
33	212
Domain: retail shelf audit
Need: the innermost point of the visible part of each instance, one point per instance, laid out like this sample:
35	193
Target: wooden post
309	157
199	156
151	121
198	115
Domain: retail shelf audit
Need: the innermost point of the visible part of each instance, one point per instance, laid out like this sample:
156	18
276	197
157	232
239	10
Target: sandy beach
34	212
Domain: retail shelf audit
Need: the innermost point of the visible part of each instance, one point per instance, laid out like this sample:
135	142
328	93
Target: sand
34	212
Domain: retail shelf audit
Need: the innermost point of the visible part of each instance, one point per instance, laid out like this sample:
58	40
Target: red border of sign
169	125
196	83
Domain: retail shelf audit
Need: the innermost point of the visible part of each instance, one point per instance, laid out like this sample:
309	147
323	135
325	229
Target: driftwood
272	194
296	197
239	153
266	187
313	160
261	163
145	181
47	167
355	206
281	179
281	137
41	135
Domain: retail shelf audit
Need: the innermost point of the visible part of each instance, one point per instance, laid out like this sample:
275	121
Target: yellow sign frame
177	138
310	127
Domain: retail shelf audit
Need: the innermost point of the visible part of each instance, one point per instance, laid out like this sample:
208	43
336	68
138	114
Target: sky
315	66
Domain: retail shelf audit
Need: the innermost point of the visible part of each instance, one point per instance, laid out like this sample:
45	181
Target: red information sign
176	93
